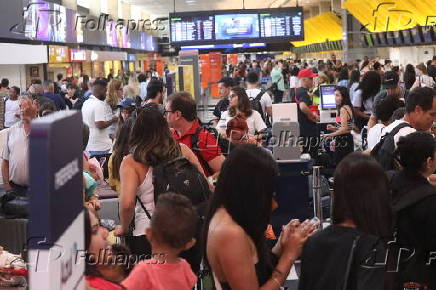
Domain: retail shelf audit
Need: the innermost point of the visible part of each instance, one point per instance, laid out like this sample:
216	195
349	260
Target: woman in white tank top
151	143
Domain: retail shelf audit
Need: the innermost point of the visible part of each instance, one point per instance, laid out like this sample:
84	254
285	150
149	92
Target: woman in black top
363	99
409	76
414	203
341	132
239	213
345	252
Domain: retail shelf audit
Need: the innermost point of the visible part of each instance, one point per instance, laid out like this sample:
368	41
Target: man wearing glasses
181	115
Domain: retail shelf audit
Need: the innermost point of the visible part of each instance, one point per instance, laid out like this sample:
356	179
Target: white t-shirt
367	105
12	108
374	135
403	132
424	81
353	88
95	110
16	151
293	82
254	122
265	100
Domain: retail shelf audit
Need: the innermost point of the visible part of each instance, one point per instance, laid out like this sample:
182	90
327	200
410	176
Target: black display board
237	26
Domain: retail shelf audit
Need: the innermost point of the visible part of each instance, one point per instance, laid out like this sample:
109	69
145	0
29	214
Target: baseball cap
126	103
306	73
390	80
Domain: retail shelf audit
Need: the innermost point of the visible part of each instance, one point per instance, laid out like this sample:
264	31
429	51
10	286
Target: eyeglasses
166	112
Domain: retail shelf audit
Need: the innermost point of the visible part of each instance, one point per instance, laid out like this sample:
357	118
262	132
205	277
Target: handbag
14	205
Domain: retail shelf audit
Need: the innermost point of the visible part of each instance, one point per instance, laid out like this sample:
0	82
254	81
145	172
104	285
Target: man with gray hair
36	91
56	98
15	155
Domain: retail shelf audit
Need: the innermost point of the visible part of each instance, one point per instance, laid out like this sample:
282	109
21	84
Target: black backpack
256	105
182	177
383	152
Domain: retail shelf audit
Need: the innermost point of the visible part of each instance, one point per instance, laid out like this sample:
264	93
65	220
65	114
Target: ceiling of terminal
163	7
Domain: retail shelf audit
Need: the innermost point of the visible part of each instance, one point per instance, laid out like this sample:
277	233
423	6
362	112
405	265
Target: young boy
173	226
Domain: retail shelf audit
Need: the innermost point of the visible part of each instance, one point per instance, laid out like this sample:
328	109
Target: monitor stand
327	116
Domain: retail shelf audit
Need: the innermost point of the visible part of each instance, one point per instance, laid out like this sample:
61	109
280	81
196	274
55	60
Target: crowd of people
382	194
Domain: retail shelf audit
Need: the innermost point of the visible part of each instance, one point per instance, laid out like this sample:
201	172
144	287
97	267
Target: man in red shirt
181	114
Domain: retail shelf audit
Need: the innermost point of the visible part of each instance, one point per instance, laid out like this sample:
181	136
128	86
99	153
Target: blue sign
56	178
131	57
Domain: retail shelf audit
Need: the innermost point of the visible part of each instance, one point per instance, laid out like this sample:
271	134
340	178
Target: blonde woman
115	94
129	92
133	82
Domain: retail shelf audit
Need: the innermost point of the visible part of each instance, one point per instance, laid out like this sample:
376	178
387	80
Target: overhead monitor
275	25
223	46
281	24
327	94
236	26
192	28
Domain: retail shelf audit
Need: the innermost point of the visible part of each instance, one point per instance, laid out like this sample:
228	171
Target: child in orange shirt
173	226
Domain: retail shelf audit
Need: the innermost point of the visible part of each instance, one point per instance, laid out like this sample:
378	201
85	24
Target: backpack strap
196	149
143	207
350	262
259	95
398	128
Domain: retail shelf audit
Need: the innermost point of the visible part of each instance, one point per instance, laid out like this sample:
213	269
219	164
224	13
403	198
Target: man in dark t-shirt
225	85
309	133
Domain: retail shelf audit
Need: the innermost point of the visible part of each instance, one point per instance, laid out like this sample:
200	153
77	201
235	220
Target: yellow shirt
113	183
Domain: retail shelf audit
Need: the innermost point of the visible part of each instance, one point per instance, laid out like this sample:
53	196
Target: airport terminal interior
218	144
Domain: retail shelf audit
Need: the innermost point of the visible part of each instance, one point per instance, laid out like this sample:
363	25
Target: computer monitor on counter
328	103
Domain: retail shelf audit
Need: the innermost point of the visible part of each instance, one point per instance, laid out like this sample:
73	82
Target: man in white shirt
12	108
420	113
253	91
95	115
143	82
15	155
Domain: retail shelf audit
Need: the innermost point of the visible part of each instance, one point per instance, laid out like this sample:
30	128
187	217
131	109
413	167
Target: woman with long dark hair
151	143
343	140
409	76
353	83
343	77
343	255
235	225
414	203
240	105
119	151
363	99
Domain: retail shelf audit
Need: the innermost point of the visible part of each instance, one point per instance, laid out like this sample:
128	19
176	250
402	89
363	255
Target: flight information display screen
198	28
233	26
275	25
281	25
